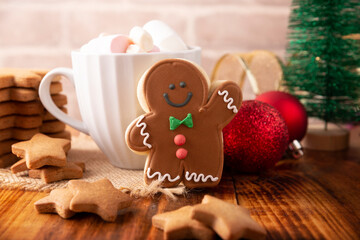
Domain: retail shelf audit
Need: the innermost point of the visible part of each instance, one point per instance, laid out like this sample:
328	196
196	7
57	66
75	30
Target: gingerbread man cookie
182	129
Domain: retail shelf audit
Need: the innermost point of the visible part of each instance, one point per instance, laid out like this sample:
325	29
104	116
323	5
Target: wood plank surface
317	197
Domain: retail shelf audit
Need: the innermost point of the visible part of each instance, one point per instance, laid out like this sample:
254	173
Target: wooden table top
316	197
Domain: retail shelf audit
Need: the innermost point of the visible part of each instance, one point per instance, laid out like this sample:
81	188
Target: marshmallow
141	38
108	44
164	37
133	48
154	49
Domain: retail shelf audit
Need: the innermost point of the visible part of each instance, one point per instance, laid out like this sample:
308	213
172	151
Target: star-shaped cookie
57	202
99	197
42	150
51	174
228	220
179	225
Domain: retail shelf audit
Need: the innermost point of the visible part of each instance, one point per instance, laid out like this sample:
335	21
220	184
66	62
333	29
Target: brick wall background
41	33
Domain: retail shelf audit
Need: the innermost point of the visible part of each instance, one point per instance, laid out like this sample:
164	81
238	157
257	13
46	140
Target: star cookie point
228	220
99	197
57	202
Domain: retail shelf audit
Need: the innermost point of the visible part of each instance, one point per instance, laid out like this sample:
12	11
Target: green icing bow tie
175	123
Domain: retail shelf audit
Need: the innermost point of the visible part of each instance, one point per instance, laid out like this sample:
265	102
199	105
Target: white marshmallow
164	36
85	48
141	38
133	48
107	44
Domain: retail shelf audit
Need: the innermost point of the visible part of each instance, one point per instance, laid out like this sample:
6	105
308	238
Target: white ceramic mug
105	86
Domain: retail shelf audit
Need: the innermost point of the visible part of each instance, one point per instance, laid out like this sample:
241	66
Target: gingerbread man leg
158	169
204	168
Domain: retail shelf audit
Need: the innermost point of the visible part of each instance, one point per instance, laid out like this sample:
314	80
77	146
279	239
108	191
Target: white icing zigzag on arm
229	100
161	178
200	176
142	133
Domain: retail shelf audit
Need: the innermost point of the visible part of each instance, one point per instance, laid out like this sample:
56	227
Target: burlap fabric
97	167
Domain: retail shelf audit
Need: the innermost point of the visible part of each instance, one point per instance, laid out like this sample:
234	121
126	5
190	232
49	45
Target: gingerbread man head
181	84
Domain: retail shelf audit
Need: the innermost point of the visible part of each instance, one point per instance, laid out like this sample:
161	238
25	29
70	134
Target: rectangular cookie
47	116
26	94
20	121
40	72
53	126
5	146
6	80
17	133
20	134
29	108
7	159
64	134
59	99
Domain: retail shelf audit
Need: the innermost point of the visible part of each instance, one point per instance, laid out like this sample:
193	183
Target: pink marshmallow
119	44
154	49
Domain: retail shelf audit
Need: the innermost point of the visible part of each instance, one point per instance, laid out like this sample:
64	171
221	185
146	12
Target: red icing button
179	139
181	153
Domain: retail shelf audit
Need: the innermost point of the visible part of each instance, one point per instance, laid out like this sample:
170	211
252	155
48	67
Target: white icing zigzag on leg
229	100
142	133
161	178
200	176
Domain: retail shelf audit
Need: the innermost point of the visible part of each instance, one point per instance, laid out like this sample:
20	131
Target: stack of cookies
202	221
45	158
50	125
21	113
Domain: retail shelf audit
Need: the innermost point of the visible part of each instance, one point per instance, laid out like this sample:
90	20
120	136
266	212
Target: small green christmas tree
323	59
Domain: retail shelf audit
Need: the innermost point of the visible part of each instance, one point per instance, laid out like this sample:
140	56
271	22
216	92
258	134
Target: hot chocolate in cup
106	89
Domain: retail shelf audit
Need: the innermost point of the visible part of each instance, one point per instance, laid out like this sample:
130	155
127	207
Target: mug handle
46	100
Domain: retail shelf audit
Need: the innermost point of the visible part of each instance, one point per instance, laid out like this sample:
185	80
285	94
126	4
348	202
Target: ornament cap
296	149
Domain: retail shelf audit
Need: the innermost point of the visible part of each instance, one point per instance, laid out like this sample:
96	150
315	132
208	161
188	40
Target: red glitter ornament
291	110
256	138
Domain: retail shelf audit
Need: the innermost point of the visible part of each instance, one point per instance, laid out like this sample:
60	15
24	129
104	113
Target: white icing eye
182	84
172	86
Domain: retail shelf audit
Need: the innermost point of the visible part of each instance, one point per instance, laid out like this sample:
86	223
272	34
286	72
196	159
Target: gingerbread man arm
137	135
224	101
